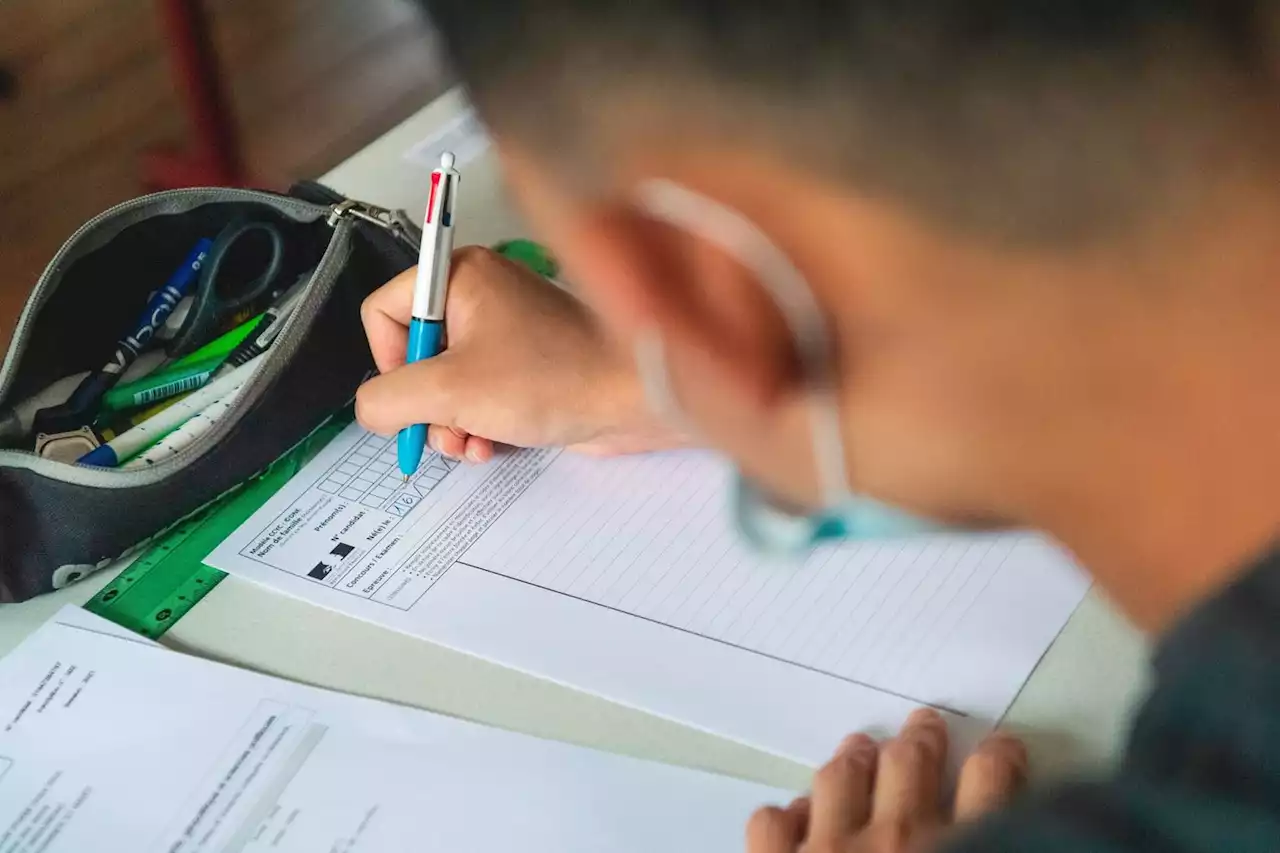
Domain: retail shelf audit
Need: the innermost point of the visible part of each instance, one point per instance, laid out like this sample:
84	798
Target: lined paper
624	578
883	614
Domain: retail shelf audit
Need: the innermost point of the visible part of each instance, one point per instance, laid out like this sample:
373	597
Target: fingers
775	830
887	797
479	450
422	393
801	808
386	315
909	776
842	792
449	441
458	444
991	776
388	311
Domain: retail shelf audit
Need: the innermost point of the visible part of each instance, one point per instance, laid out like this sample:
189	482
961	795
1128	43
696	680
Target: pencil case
61	521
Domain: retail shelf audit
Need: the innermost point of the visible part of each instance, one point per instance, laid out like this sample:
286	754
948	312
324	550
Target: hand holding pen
557	382
504	380
426	329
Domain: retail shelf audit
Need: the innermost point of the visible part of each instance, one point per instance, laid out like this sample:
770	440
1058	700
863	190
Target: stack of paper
114	744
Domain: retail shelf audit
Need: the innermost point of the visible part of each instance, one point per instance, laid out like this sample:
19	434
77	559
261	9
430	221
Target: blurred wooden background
311	82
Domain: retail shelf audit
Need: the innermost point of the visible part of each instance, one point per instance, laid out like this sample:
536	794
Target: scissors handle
211	306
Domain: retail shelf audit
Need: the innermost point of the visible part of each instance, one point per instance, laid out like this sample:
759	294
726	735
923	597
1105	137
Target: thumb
420	393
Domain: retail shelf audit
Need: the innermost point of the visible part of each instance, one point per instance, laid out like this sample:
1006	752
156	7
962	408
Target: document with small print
624	578
112	745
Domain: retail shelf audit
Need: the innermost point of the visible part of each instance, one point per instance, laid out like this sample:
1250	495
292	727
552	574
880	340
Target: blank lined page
650	537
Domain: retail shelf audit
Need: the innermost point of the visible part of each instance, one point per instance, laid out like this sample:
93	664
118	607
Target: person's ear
643	275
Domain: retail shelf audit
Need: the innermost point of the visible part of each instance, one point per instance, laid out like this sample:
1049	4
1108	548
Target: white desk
1073	711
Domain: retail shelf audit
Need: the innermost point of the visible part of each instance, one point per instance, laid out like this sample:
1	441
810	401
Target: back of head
1027	119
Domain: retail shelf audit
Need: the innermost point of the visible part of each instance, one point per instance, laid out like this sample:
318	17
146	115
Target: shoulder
1201	771
1126	816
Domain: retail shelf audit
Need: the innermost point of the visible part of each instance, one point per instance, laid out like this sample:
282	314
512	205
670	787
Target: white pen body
432	287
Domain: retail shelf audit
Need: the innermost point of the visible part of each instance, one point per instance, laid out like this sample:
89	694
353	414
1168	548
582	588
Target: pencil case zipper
340	217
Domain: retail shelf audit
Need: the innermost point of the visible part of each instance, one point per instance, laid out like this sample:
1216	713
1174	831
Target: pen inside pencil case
78	321
133	442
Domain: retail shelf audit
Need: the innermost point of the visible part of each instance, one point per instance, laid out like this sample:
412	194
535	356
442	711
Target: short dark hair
1046	120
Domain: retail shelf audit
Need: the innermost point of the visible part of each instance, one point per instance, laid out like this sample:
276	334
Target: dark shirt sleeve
1201	771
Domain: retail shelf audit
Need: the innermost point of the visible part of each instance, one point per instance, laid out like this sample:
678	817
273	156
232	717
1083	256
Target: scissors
222	273
239	277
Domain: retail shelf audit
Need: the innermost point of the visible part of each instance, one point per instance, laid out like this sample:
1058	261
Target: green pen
160	386
220	348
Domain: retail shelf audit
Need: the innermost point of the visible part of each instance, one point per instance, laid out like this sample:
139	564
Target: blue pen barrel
426	339
410	445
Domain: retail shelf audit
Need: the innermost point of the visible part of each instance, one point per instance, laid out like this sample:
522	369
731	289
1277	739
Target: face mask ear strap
737	236
828	448
740	238
651	364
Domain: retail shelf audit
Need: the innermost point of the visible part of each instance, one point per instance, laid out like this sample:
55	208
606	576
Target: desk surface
1073	711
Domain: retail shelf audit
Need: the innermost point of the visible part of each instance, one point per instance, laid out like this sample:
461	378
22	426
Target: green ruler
170	577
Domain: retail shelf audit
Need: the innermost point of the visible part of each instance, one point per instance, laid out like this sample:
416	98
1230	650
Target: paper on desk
624	578
111	745
81	619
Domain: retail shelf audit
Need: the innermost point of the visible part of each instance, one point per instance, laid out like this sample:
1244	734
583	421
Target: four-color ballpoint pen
426	329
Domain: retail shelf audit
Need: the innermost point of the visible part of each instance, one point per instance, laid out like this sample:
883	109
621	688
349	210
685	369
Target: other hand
526	365
875	798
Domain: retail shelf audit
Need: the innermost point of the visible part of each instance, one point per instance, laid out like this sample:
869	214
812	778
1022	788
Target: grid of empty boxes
370	475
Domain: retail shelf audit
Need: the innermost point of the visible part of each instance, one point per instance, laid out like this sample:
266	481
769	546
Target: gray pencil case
60	522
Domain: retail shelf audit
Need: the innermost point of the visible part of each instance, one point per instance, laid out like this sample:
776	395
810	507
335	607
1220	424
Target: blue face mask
764	523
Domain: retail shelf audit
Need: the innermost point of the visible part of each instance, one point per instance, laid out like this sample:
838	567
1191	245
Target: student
991	263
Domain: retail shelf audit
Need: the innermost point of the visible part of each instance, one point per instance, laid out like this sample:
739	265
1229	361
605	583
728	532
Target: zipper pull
388	220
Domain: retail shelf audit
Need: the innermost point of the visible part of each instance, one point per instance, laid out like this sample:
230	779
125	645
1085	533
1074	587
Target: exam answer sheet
113	744
624	578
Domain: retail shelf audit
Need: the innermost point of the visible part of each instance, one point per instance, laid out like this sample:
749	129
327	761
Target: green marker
220	348
160	386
